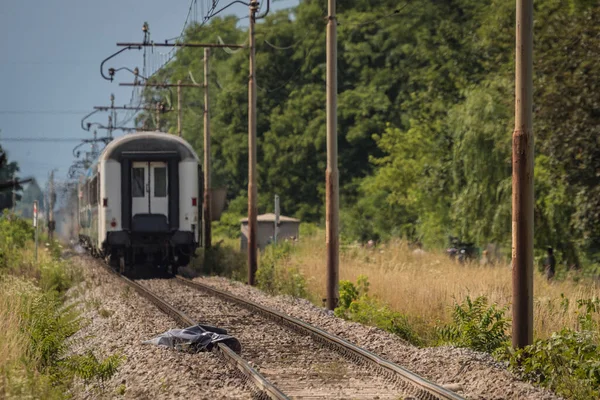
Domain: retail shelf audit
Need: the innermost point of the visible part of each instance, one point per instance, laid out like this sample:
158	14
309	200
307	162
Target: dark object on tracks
424	389
196	338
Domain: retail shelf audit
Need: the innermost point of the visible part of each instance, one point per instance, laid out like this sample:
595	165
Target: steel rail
425	388
266	389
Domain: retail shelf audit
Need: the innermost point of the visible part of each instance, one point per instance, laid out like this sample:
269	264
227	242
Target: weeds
275	276
356	305
221	259
35	322
568	362
89	368
476	325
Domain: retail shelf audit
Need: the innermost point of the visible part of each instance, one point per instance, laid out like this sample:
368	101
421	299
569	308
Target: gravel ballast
118	321
299	366
472	374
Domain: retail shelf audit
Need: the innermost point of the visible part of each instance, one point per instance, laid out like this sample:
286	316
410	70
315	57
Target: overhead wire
29	112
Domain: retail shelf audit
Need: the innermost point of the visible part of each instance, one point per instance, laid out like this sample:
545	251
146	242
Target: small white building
288	228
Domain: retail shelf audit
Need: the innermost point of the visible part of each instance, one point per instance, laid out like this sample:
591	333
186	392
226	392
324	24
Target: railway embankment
119	321
36	321
472	374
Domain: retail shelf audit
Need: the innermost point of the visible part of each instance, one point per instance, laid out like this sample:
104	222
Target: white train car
138	203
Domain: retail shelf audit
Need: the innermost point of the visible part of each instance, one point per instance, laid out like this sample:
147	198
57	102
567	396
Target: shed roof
270	217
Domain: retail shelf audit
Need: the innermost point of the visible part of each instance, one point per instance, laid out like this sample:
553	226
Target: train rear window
138	182
160	182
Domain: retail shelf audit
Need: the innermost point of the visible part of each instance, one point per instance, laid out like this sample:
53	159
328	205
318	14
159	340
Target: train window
94	191
138	182
160	182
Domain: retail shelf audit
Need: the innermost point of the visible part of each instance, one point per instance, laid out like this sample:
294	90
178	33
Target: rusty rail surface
423	388
264	388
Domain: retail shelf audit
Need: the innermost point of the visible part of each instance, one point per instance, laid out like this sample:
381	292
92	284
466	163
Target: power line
29	112
41	139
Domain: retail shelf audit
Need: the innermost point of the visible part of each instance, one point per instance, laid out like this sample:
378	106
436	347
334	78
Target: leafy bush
48	325
14	235
89	368
223	260
476	325
229	224
356	305
274	277
568	362
308	229
38	365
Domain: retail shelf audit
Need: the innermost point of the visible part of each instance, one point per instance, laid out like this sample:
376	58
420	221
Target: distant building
288	228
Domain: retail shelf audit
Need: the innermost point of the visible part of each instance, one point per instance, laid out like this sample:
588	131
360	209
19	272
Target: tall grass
34	321
425	286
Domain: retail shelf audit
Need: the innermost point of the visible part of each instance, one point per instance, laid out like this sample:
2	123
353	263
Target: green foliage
222	259
89	368
44	320
568	362
8	172
48	325
476	325
228	225
275	277
356	305
425	119
14	235
307	229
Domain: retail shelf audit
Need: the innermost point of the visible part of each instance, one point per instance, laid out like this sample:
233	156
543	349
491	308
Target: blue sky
49	68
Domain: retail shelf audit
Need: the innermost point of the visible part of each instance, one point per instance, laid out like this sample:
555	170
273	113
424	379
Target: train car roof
148	141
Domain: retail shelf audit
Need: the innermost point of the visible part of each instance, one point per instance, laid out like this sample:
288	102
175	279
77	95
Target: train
138	202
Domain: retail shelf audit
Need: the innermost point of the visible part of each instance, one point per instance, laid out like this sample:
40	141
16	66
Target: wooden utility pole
112	118
179	108
331	175
252	189
207	217
522	180
35	226
14	198
157	117
51	208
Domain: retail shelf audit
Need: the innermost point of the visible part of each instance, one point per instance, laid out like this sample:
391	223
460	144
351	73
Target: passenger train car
138	203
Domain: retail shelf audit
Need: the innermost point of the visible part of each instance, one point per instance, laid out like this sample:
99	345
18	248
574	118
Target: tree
8	173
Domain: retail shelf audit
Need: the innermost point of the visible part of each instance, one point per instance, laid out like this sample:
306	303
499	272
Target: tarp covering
196	338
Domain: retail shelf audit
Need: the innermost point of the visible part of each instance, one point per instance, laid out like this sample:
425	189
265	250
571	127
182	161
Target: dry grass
12	344
18	376
424	286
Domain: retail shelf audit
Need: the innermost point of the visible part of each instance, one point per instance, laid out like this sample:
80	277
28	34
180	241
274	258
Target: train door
140	199
149	188
159	198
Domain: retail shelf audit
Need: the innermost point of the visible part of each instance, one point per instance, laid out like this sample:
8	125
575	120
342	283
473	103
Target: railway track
295	361
263	388
286	364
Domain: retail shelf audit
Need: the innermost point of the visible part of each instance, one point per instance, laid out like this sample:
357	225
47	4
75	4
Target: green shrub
48	325
229	223
89	368
275	277
56	276
476	325
568	362
221	260
308	229
356	305
15	232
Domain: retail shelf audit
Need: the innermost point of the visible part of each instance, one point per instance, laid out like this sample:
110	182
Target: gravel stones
477	374
118	321
295	363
